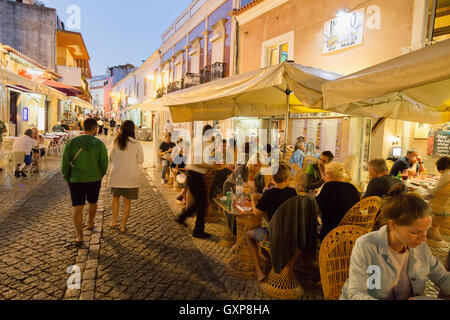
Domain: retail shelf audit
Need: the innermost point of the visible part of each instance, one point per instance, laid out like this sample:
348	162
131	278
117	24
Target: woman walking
126	155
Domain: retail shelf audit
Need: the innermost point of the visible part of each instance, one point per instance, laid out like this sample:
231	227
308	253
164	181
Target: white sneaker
163	181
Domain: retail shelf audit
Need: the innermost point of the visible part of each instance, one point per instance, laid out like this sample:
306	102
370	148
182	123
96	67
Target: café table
240	263
421	184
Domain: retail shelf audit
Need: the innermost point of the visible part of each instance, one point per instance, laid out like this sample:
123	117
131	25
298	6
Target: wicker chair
440	208
389	164
350	164
334	259
285	285
363	214
300	180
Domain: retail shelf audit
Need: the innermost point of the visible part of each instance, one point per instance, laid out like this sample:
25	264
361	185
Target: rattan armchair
334	259
389	164
284	285
363	214
309	160
350	163
440	208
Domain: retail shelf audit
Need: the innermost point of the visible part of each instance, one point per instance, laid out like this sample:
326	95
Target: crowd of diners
398	248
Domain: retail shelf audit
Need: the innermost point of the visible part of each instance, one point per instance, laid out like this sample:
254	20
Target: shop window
441	22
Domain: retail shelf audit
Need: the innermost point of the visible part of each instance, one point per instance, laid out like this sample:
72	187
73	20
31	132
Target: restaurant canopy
10	78
260	93
68	90
413	87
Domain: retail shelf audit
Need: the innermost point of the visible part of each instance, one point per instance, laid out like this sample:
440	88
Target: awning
68	90
81	103
10	78
150	105
414	87
260	93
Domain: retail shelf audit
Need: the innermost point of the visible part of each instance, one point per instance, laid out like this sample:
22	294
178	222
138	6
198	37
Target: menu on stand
442	144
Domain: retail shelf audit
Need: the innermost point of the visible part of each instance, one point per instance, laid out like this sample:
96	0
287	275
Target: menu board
442	144
326	134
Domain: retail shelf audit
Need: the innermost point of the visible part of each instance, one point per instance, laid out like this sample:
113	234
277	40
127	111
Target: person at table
314	172
298	156
336	197
400	253
3	130
24	144
443	167
58	127
65	126
165	150
411	162
380	179
178	159
38	152
267	205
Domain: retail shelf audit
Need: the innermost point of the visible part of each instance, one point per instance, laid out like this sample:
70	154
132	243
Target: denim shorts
28	159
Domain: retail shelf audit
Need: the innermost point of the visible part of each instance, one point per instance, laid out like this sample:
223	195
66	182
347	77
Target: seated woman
443	166
335	198
178	161
298	156
394	262
269	203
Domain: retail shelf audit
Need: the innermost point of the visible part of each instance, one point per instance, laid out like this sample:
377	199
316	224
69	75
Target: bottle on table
239	189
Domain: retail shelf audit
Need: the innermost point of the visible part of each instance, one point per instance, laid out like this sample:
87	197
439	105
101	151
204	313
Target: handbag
71	164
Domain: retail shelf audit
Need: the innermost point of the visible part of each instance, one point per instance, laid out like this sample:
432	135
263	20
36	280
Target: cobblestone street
155	259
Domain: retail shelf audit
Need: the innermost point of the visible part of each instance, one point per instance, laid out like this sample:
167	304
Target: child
267	205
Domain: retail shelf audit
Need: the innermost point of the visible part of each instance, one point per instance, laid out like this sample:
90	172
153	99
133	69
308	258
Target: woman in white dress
125	157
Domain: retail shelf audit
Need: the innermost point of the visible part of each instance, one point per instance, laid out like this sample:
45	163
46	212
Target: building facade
96	89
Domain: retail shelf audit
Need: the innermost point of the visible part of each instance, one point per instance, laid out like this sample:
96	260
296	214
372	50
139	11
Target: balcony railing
209	73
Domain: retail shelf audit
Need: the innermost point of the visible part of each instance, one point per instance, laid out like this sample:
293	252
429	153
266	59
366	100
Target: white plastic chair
18	158
5	163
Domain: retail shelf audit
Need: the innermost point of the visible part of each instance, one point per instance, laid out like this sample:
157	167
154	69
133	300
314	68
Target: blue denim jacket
372	250
298	157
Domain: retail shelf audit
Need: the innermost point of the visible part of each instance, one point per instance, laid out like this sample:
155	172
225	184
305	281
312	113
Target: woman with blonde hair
126	156
335	198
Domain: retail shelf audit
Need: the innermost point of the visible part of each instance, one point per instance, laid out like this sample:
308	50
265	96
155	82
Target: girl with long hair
125	157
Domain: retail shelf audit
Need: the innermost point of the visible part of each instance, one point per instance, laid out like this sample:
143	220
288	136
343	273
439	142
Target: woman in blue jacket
394	262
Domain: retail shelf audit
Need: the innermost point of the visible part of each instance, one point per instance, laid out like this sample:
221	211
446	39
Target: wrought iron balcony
209	73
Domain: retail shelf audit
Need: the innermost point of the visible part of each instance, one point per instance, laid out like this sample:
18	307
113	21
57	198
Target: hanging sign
344	31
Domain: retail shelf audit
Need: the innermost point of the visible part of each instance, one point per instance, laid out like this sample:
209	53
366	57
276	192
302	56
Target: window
146	86
441	29
278	50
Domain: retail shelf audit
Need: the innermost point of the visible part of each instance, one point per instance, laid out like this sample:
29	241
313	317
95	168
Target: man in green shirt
3	130
89	159
314	173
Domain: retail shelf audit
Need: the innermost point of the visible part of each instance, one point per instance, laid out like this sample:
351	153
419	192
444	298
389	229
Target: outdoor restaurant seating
440	208
389	164
292	232
350	164
334	259
309	160
363	214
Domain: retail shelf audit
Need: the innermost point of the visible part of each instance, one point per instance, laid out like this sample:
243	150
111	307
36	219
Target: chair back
440	205
7	145
363	214
18	157
389	164
350	163
334	259
309	160
300	180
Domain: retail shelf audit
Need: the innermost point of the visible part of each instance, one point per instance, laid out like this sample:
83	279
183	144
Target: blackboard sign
442	144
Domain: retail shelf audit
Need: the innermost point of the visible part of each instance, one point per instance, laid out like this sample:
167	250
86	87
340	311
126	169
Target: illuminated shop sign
344	31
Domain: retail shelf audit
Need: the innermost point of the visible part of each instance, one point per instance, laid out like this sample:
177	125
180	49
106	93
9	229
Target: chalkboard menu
442	143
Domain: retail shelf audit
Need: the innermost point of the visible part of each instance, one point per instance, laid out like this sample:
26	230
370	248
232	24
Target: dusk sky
119	32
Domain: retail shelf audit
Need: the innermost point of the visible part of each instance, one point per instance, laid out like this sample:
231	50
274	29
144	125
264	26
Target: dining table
240	263
421	184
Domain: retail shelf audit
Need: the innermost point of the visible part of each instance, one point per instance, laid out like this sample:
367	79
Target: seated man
314	172
58	127
380	180
165	150
24	144
65	126
269	203
411	162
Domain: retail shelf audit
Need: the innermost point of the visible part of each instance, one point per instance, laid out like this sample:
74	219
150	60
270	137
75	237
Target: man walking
84	163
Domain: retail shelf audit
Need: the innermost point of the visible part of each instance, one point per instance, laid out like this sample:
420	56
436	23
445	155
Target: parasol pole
286	120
